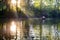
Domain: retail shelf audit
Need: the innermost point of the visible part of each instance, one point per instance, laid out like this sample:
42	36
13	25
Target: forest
38	19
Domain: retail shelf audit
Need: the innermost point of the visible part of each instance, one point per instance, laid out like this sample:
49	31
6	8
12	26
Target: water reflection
37	29
48	29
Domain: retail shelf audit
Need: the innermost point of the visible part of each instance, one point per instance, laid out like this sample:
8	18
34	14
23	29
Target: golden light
13	27
13	5
18	3
13	2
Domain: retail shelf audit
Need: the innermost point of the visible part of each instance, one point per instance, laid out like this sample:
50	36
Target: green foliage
2	6
59	27
37	3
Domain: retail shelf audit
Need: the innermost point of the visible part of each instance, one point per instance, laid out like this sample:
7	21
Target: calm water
38	29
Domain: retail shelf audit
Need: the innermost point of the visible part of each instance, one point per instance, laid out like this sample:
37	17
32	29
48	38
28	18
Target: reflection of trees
47	8
50	25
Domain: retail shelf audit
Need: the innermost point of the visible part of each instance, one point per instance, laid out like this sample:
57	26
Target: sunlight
13	2
18	3
13	27
45	3
37	4
13	5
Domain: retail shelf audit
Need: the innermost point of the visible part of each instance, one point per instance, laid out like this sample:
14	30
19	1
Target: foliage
2	5
39	7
